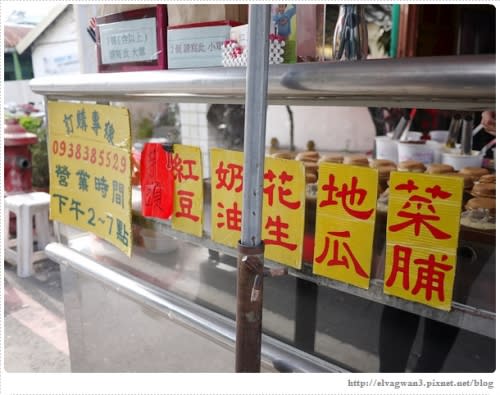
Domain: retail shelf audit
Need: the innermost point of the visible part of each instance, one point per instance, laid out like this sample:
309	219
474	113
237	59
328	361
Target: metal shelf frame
453	82
447	82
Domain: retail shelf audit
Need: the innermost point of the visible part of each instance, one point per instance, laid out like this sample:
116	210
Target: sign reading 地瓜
345	223
90	170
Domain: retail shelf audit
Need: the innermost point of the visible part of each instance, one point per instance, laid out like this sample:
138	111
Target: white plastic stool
26	206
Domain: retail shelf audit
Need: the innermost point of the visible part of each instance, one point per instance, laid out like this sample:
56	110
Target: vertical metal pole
251	248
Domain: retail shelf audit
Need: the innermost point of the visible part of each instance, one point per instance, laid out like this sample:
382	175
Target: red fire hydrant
17	157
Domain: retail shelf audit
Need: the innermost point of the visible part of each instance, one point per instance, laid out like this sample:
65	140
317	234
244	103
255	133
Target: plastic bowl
439	135
158	243
412	151
459	161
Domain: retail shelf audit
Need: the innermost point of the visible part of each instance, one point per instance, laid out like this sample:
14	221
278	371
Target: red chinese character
186	205
277	231
153	195
418	203
151	159
230	177
350	196
282	192
336	258
400	264
430	276
183	169
232	217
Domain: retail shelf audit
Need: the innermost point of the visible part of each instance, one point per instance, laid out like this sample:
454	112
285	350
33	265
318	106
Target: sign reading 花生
90	170
423	222
345	223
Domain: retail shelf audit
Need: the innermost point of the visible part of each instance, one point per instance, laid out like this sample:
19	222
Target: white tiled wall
195	131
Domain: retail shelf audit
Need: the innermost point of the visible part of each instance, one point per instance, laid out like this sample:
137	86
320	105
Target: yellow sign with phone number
90	170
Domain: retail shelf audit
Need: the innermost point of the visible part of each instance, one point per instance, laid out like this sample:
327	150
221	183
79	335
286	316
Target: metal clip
255	294
257	283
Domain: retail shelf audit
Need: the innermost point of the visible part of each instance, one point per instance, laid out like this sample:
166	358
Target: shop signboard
345	223
90	170
283	205
188	198
423	222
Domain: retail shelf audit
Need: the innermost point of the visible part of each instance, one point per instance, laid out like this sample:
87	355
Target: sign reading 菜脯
283	205
345	223
423	222
90	170
188	201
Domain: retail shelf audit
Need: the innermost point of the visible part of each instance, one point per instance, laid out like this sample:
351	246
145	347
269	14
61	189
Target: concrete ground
34	325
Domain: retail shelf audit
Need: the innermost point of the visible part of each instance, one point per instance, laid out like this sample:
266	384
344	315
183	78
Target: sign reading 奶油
226	169
345	223
283	205
423	223
188	200
90	170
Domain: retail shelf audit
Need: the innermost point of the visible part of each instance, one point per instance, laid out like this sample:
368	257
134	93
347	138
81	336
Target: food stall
171	290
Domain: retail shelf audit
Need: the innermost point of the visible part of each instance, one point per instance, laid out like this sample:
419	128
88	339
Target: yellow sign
423	222
188	201
90	170
283	211
226	168
283	205
345	223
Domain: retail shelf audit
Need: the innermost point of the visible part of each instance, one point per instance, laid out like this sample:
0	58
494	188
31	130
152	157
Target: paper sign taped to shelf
283	205
345	223
226	173
423	223
283	211
90	170
188	198
157	181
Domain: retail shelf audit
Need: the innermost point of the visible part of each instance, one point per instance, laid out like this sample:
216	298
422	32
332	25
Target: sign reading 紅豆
283	205
90	170
423	222
345	223
188	201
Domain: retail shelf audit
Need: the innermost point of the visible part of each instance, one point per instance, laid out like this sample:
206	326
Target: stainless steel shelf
466	317
447	82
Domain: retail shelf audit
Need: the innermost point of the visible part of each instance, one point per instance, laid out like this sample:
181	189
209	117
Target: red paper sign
157	181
